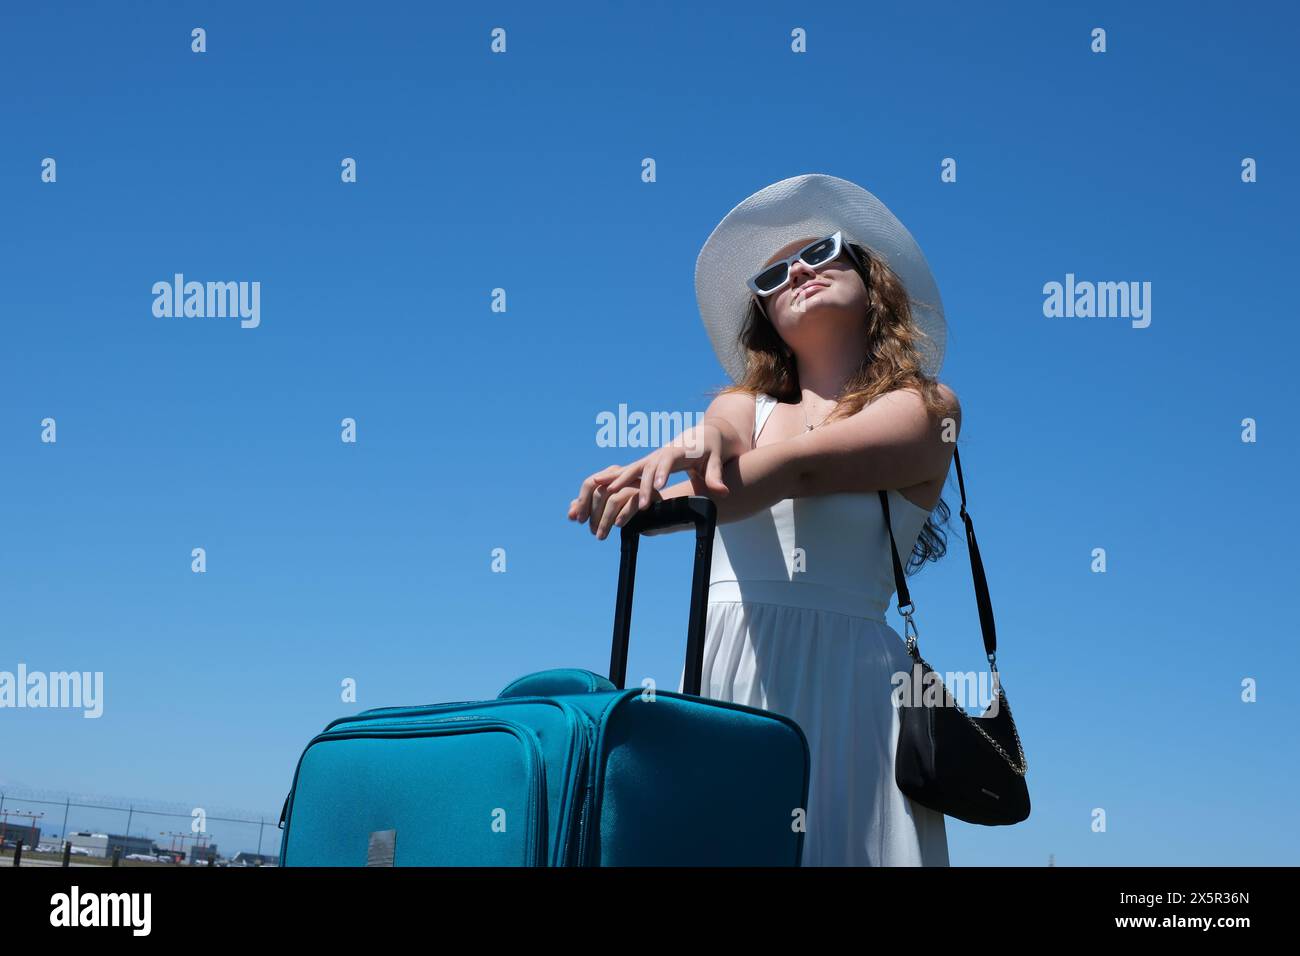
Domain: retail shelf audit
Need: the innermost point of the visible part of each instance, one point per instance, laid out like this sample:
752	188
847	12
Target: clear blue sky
372	561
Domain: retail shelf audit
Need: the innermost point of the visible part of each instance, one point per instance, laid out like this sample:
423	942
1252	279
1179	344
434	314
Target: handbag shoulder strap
976	566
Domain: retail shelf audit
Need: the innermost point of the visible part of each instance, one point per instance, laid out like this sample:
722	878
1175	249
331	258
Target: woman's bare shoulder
948	401
738	407
952	407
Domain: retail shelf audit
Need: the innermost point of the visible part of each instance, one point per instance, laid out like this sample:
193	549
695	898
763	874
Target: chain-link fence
37	825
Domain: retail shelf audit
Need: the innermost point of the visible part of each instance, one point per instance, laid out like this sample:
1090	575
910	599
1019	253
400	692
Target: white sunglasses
816	254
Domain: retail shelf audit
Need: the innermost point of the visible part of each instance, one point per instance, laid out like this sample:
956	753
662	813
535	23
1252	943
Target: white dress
796	625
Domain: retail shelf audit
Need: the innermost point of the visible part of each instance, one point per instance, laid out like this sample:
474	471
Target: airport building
203	854
103	844
12	833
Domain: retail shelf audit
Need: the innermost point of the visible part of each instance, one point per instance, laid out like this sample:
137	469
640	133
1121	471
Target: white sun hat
809	206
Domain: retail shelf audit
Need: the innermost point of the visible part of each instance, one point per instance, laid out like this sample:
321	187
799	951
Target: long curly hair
892	362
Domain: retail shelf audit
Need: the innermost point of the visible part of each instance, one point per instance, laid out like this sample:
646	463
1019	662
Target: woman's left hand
613	508
698	450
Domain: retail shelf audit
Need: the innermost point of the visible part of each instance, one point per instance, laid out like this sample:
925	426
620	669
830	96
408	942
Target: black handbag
946	759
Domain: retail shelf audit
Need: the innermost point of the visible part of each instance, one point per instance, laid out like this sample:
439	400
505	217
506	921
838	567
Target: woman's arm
732	413
756	480
891	443
733	443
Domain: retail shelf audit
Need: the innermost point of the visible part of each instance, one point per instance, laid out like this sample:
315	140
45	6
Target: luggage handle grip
670	512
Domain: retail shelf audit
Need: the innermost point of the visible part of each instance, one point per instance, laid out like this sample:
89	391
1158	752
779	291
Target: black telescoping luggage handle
670	512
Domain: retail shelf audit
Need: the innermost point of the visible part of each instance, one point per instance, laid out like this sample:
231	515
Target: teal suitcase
563	768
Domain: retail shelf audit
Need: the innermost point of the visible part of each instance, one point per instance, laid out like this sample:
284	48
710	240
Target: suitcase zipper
376	711
379	712
588	763
582	827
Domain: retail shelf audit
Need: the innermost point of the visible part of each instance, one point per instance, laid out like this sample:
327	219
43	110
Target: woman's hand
601	507
697	450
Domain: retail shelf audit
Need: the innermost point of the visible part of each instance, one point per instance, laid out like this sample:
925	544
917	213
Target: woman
823	311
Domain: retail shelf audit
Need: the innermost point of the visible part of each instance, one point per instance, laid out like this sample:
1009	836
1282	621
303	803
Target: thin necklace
808	427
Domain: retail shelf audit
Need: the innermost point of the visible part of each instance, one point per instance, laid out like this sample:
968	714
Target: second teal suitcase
563	768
